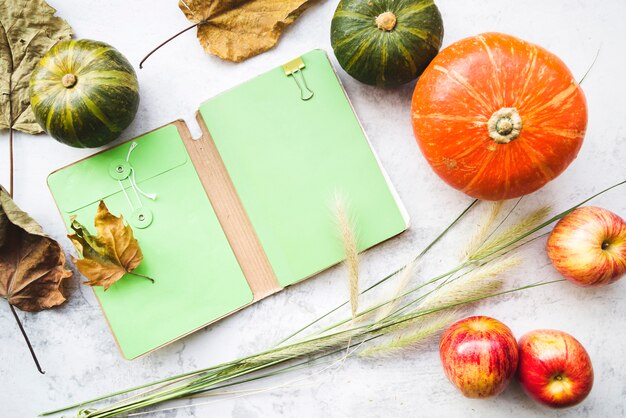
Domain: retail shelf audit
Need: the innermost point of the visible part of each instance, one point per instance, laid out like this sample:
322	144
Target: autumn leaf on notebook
111	254
247	203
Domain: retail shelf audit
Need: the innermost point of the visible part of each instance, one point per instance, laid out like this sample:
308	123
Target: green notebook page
288	158
197	278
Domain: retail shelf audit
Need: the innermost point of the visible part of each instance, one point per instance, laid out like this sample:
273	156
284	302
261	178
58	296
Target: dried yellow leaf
236	30
111	254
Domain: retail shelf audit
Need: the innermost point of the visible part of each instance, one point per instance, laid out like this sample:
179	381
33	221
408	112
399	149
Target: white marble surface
73	341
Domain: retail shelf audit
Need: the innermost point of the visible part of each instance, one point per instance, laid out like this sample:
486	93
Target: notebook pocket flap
106	173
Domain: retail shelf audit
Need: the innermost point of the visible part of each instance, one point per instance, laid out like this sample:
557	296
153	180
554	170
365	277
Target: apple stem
606	245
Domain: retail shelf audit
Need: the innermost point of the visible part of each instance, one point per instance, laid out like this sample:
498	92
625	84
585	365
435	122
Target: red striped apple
554	368
479	356
588	246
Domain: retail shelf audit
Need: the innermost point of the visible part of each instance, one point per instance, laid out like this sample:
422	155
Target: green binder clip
293	68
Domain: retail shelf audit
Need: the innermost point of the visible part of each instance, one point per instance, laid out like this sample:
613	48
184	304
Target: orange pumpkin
497	117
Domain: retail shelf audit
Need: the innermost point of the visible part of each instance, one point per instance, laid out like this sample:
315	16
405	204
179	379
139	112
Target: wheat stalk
529	222
425	331
484	280
233	372
349	242
303	348
404	278
484	228
471	284
389	276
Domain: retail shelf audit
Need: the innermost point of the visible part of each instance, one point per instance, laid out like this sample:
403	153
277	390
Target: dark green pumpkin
84	93
386	42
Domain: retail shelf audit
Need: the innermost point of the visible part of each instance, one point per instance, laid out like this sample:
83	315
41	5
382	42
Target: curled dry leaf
32	265
235	30
111	254
28	29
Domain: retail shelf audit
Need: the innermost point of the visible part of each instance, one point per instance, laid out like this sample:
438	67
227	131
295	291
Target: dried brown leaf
32	265
236	30
28	29
111	254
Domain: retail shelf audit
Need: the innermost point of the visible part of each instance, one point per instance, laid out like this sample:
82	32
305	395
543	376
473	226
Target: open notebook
240	213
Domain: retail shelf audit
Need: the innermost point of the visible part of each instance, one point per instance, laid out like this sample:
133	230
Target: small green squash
386	42
84	93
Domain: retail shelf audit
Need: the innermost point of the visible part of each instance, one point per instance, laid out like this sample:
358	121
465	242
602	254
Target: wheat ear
348	240
426	330
532	220
484	229
482	281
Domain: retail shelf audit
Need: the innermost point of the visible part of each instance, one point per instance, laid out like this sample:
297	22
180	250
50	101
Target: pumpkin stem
386	21
505	125
69	80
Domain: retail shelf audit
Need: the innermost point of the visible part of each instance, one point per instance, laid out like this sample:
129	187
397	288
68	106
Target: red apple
479	356
554	368
588	246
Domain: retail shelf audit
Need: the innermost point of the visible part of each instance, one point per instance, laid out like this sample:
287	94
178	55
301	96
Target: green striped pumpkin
84	93
386	42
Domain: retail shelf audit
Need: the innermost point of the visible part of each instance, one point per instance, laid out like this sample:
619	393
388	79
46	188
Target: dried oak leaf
32	265
236	30
111	254
28	29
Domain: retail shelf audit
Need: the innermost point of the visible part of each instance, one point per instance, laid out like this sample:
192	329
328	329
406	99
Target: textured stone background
74	344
